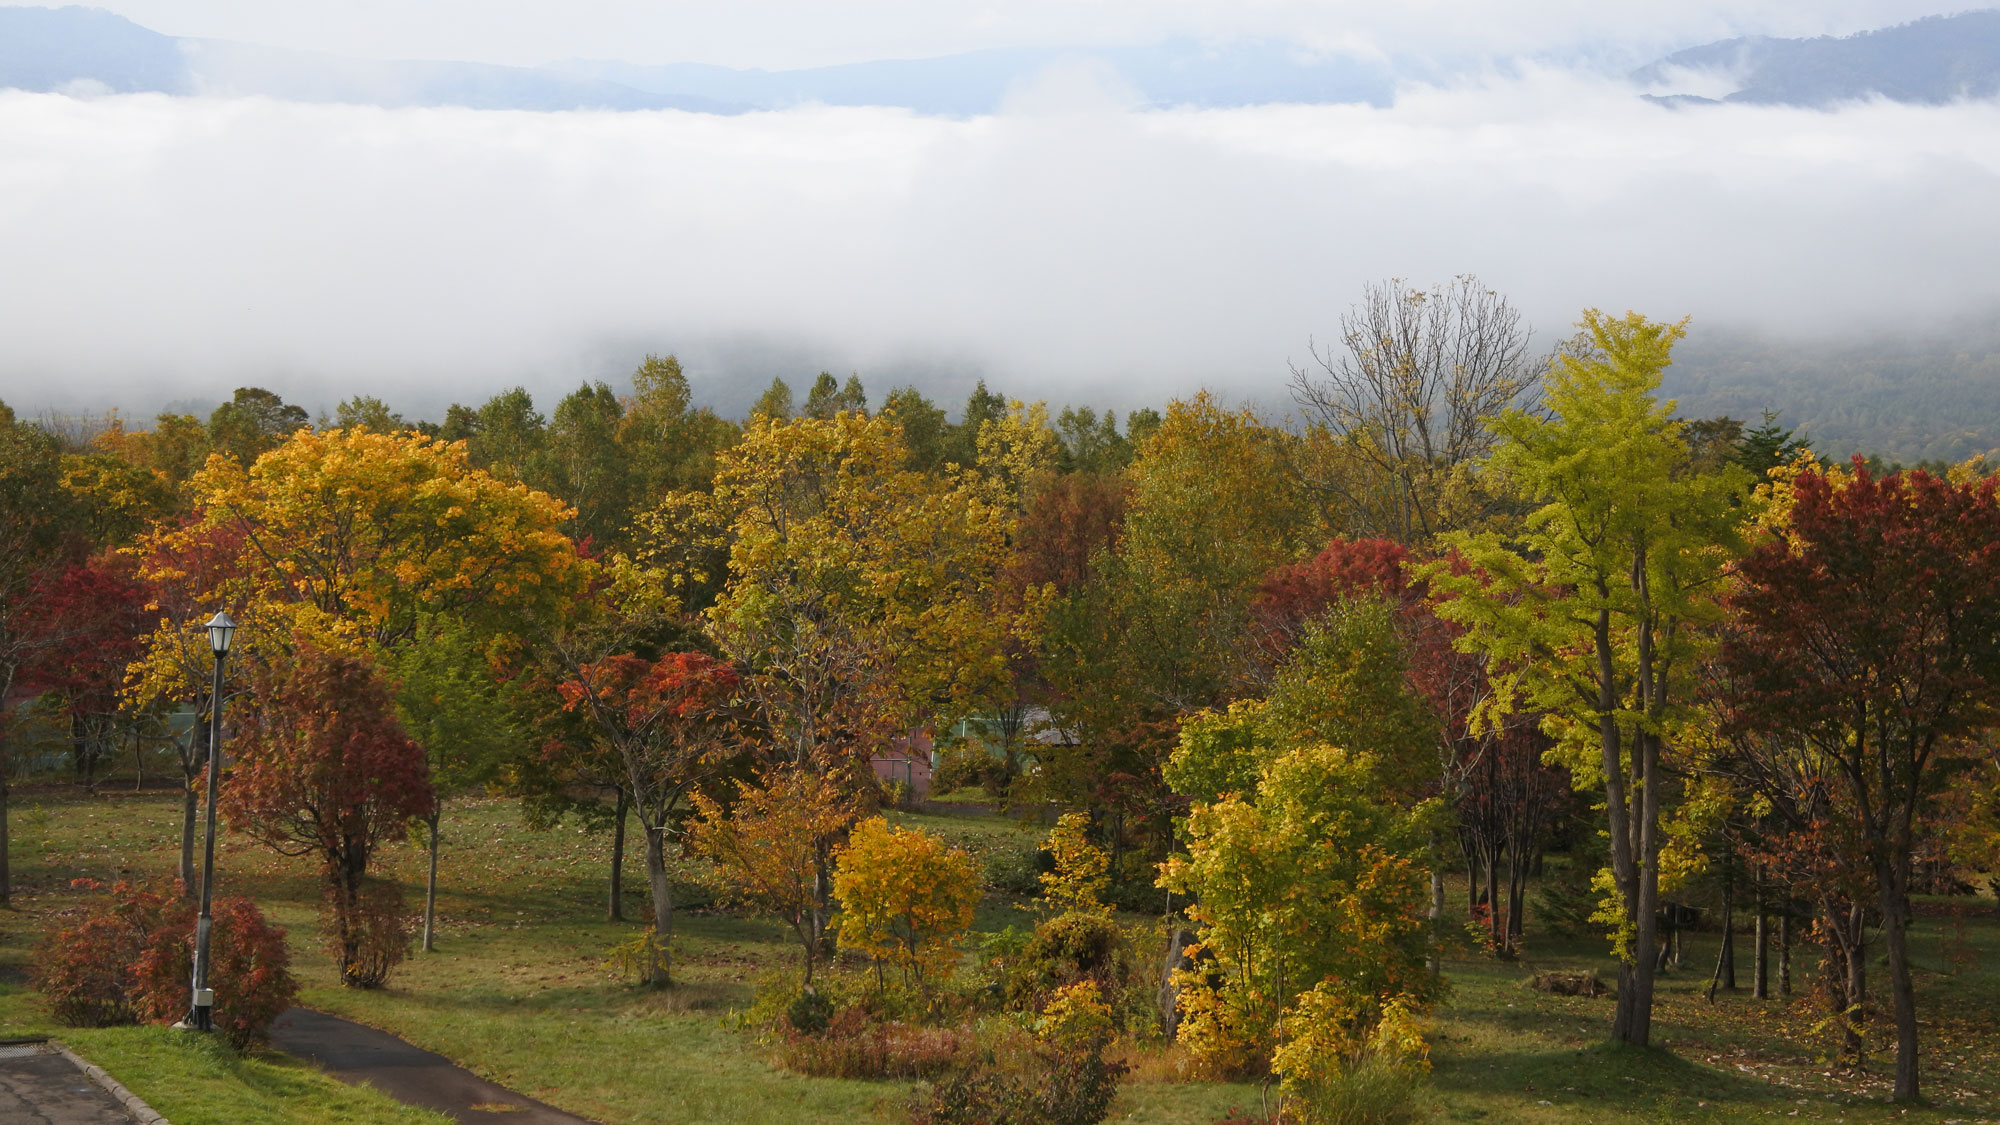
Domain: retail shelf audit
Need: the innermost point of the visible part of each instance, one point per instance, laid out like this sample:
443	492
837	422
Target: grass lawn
517	992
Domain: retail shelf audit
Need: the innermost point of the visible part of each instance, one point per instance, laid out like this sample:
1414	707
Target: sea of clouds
1073	245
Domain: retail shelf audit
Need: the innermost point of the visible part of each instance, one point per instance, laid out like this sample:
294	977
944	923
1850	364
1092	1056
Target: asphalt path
357	1053
40	1087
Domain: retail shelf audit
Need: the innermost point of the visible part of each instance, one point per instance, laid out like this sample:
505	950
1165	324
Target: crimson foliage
1868	630
133	959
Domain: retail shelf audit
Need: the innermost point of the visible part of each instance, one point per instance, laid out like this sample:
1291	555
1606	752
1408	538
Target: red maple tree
1867	631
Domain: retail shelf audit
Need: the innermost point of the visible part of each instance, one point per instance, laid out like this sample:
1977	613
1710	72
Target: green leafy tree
449	702
369	411
924	427
775	403
582	464
1598	598
252	423
34	524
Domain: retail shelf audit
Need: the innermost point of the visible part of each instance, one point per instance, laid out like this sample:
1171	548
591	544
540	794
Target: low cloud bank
160	248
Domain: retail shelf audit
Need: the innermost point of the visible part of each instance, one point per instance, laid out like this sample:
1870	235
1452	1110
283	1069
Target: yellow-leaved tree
905	899
359	542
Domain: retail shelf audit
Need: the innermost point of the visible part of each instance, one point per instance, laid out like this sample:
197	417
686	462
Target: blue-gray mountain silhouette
1931	61
85	50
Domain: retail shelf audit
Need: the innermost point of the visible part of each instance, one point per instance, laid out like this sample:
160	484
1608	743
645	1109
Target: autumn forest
1018	762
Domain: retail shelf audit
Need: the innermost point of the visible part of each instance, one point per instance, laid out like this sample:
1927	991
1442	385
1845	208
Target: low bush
133	959
854	1044
1374	1092
1066	949
1567	984
1015	870
1070	1089
250	971
84	970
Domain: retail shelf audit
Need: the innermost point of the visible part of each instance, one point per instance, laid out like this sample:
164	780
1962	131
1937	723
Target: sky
169	249
793	33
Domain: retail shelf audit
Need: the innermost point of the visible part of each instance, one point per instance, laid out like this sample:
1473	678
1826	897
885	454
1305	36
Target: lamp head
220	629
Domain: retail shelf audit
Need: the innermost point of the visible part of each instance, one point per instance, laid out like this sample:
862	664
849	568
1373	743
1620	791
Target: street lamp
201	1015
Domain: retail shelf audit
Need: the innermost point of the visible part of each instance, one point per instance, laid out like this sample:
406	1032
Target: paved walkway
40	1087
353	1052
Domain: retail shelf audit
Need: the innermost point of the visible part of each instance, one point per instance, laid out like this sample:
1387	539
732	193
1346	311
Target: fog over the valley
1072	246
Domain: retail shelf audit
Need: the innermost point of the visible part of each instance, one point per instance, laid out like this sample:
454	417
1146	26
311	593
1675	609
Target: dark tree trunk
431	882
616	910
1895	939
1495	924
6	875
1785	950
190	805
1728	955
1517	887
1760	988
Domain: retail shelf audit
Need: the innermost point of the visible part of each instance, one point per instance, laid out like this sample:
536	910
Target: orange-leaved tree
669	724
770	846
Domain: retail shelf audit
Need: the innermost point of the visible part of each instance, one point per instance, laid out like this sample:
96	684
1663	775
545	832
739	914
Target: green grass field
518	992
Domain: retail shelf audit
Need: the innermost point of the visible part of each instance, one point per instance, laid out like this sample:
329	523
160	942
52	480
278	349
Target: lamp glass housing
220	630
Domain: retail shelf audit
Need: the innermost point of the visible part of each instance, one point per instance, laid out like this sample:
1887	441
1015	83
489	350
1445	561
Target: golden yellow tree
905	898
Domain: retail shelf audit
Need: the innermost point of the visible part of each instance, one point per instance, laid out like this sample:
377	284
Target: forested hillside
1908	398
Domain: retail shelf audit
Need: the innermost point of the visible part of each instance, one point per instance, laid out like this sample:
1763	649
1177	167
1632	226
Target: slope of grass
518	992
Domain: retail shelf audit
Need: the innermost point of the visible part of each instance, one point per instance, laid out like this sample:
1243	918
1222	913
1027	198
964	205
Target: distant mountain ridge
87	50
1929	62
77	50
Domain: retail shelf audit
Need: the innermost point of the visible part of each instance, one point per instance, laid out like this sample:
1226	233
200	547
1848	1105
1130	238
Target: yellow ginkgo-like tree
905	898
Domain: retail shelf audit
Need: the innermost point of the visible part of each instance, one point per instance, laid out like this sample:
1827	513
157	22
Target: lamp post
201	1015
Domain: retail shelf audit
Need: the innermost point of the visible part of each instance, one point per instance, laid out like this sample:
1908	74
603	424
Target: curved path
357	1053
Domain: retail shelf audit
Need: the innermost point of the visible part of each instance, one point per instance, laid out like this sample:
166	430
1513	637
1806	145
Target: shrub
1352	1061
1065	1088
84	971
1068	948
810	1013
369	935
1373	1092
961	765
1014	870
854	1044
249	970
1076	1019
133	960
1567	984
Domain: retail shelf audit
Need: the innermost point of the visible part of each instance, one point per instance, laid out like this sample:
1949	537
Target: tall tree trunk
616	910
189	806
1517	886
1633	1021
1728	955
1495	924
431	880
1895	939
1434	960
1760	988
1785	950
6	844
663	901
